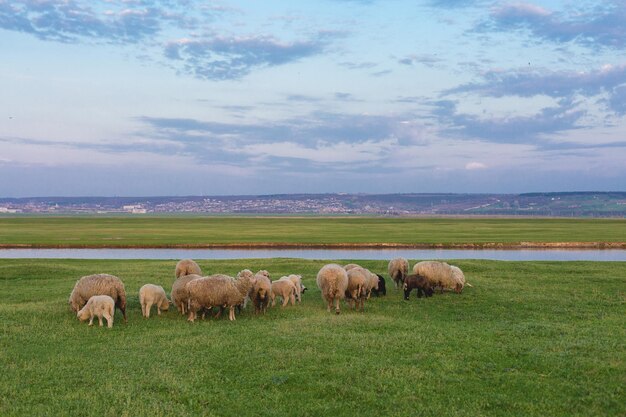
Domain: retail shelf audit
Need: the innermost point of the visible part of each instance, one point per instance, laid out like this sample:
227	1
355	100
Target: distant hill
558	204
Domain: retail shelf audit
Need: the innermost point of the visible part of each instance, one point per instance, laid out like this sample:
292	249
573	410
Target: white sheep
98	284
179	292
151	294
398	269
285	289
332	280
440	274
187	267
98	306
356	291
300	288
217	291
459	277
372	283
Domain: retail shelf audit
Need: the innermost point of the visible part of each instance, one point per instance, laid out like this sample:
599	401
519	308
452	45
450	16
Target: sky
166	97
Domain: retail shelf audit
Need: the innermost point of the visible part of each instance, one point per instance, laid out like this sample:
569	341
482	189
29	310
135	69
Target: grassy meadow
529	339
154	231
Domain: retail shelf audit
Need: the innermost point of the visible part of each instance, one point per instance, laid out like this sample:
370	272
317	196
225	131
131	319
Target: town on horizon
557	204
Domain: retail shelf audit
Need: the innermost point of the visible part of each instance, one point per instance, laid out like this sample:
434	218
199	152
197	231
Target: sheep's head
83	314
165	304
303	289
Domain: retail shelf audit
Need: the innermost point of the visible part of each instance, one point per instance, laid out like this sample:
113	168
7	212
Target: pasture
530	338
192	231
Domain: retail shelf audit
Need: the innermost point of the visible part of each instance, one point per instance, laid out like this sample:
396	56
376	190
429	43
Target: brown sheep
332	280
98	284
187	267
356	291
179	294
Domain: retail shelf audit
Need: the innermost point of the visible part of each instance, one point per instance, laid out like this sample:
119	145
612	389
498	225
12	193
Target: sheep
420	282
440	275
285	289
350	266
382	287
179	292
264	273
332	280
217	291
459	277
300	289
356	292
98	284
398	269
260	293
187	267
150	294
98	306
371	283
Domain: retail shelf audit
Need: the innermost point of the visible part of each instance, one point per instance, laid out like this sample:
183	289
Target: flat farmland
180	231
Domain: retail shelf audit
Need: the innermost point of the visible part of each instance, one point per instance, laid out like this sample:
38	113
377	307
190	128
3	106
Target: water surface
325	254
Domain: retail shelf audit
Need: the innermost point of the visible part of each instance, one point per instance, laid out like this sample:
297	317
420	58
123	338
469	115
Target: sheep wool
440	275
187	267
285	289
179	292
217	291
332	280
350	266
356	292
98	284
150	295
98	306
398	269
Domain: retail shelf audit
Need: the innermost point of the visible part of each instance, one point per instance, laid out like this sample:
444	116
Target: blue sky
141	97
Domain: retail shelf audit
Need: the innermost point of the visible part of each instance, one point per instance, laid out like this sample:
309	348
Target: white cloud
475	165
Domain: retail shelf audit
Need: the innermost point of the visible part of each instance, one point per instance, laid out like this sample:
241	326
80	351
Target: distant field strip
180	231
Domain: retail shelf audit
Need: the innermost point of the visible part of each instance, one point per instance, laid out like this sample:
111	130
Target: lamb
332	280
98	306
285	289
98	284
382	286
440	275
420	282
217	291
151	294
300	289
356	292
179	293
187	267
398	269
260	293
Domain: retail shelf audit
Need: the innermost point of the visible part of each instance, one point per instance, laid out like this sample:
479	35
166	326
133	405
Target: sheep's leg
337	310
285	300
100	320
143	309
91	320
148	308
329	303
231	313
192	316
109	319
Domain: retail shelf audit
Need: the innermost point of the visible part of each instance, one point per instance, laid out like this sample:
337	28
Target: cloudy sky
167	97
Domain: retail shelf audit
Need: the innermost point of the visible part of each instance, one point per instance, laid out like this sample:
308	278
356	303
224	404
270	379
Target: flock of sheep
192	294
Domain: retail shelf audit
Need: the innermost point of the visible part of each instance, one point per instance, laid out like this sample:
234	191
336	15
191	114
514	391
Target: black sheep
420	282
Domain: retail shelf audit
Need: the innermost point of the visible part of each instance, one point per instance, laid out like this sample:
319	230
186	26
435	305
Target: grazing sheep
285	289
459	277
350	266
371	283
440	275
420	282
332	280
260	293
217	291
98	284
382	287
187	267
398	269
151	294
98	306
264	273
179	292
300	289
356	292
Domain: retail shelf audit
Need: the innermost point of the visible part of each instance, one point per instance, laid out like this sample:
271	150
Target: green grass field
529	339
93	231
